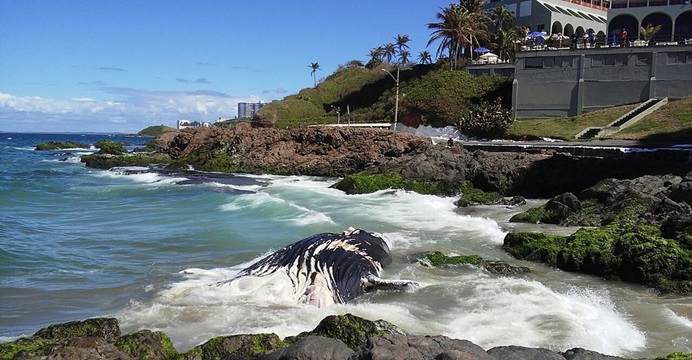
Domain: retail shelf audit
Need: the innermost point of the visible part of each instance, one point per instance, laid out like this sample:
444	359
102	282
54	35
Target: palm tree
504	43
401	42
389	52
315	66
424	57
454	31
403	57
376	56
502	18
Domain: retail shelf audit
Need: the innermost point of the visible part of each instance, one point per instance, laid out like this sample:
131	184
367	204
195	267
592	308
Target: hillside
671	123
155	130
429	95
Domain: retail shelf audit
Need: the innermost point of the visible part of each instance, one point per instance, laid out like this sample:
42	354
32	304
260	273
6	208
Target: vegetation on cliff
433	96
155	130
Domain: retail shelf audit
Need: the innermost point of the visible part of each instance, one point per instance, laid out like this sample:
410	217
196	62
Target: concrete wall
570	82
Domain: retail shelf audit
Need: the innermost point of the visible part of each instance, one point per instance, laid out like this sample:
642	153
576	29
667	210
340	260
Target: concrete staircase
624	121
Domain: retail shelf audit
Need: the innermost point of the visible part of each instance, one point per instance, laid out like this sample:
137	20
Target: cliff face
321	151
330	151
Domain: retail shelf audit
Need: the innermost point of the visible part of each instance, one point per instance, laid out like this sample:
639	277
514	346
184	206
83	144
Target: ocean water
77	242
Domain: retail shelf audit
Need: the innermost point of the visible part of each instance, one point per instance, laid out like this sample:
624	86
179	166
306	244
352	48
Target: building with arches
674	17
564	17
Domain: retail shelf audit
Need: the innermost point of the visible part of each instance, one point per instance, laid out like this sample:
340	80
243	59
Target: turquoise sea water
78	242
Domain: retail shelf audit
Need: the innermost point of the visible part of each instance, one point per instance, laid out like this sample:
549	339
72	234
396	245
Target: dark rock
582	354
438	259
87	348
422	347
146	344
523	353
352	330
504	268
237	347
105	328
313	348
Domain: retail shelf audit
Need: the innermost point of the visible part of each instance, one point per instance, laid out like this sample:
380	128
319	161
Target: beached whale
329	268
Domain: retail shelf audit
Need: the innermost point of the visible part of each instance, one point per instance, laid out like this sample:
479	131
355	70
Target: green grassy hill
428	94
155	130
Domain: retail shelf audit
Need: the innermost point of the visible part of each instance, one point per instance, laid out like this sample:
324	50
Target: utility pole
396	101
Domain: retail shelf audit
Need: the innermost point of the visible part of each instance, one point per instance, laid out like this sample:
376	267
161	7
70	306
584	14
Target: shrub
486	120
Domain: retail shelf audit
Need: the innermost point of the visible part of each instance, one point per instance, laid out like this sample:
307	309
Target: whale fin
373	282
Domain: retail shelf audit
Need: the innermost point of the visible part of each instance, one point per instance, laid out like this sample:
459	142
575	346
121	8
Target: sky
123	65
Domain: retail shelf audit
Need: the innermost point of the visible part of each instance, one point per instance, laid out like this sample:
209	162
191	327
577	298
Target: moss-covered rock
111	147
24	348
107	161
363	183
146	344
437	259
105	328
472	196
628	249
57	145
236	346
57	335
350	329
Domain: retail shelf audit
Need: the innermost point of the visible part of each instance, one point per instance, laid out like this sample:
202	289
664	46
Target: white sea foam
142	178
277	208
496	311
677	318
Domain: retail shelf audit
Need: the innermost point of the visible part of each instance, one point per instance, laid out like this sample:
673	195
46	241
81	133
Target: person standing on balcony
623	36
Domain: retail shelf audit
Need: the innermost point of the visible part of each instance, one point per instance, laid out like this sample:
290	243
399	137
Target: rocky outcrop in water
644	232
336	337
331	151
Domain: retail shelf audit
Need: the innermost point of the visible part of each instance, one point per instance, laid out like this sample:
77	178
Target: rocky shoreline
335	337
634	206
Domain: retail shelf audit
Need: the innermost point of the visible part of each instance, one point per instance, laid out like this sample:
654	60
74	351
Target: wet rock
583	354
438	259
314	348
395	346
105	328
352	330
246	346
523	353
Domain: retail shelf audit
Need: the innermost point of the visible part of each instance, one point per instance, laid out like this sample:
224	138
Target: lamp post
338	113
396	102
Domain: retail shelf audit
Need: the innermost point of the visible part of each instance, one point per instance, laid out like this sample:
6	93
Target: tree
502	18
314	66
424	57
504	43
389	52
649	31
376	56
454	31
401	42
486	120
403	57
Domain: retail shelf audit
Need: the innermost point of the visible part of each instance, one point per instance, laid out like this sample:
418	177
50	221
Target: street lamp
338	113
396	102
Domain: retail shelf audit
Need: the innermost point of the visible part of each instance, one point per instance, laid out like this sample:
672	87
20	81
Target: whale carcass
329	268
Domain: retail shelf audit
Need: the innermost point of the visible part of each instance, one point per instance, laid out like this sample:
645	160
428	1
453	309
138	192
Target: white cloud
128	110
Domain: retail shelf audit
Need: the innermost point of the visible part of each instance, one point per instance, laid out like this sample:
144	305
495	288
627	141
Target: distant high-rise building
248	110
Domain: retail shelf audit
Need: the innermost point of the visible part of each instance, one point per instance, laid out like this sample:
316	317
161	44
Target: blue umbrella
481	50
535	34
